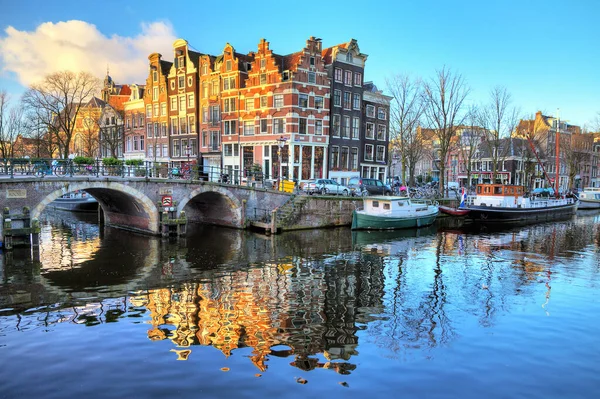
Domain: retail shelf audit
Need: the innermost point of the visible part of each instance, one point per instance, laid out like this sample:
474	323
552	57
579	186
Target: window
165	150
263	101
368	152
163	129
381	113
176	152
148	111
142	143
163	109
228	65
312	77
302	125
230	127
337	98
263	78
348	57
227	150
204	90
193	147
278	100
303	100
354	158
344	158
338	75
136	144
357	79
205	114
346	127
278	126
192	123
181	82
190	81
155	76
155	110
248	128
191	100
336	126
318	127
232	82
149	130
263	63
156	132
381	132
355	128
285	75
215	87
174	126
263	126
370	111
226	84
312	61
318	102
236	151
356	101
347	100
370	133
155	94
249	104
204	138
380	153
173	103
141	120
172	84
348	78
127	123
333	164
182	103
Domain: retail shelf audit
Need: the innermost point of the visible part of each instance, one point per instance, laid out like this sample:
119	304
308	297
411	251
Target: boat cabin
391	205
590	193
500	195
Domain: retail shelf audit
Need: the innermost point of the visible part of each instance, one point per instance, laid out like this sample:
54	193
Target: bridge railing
172	170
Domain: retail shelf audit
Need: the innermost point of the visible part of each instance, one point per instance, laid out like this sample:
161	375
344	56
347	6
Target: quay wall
320	212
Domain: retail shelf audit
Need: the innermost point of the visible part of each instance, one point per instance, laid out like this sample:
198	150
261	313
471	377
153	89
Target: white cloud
78	45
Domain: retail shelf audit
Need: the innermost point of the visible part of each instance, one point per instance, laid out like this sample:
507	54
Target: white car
325	187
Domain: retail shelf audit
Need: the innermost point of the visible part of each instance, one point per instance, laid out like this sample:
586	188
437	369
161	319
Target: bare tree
469	140
406	112
62	94
499	120
444	98
11	126
576	149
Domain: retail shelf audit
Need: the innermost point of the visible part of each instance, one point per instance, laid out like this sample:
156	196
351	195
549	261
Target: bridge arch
213	205
123	205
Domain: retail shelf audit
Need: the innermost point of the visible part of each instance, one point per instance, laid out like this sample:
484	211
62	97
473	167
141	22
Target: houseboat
500	203
389	212
589	198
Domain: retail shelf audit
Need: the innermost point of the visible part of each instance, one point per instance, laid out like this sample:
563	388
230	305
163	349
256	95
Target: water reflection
312	296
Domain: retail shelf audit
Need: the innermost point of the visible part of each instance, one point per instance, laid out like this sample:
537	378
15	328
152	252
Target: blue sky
543	52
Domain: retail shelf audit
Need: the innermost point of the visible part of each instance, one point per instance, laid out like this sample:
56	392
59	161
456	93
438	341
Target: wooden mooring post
18	229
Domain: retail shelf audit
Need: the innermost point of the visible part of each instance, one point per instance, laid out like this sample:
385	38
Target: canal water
434	313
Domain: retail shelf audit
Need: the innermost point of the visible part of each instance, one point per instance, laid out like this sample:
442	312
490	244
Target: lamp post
281	143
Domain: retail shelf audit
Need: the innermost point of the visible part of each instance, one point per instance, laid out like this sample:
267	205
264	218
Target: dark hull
519	216
75	204
453	211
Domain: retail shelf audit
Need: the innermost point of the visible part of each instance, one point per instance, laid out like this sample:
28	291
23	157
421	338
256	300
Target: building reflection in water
312	296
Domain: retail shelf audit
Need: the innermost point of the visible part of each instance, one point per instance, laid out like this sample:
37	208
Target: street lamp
281	143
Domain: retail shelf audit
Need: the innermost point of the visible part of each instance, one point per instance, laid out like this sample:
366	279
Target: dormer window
285	75
349	57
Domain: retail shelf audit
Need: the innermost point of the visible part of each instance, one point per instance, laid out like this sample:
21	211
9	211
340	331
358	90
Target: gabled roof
165	67
291	61
327	53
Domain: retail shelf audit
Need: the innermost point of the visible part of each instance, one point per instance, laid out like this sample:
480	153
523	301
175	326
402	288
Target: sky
545	53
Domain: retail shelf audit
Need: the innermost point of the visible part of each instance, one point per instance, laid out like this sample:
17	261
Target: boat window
497	190
400	203
386	206
375	204
478	189
511	190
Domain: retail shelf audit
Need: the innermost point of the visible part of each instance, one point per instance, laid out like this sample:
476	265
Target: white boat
76	201
589	198
390	212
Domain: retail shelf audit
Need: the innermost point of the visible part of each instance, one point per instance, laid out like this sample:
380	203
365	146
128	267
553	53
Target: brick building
156	103
134	116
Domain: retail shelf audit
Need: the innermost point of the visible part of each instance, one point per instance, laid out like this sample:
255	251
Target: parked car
365	186
325	186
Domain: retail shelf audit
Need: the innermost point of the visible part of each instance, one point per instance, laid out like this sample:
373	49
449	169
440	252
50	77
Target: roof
290	61
165	67
327	53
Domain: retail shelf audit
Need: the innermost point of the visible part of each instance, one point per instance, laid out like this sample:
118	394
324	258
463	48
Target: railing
173	170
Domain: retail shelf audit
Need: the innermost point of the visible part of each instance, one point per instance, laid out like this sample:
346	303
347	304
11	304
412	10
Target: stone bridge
135	203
